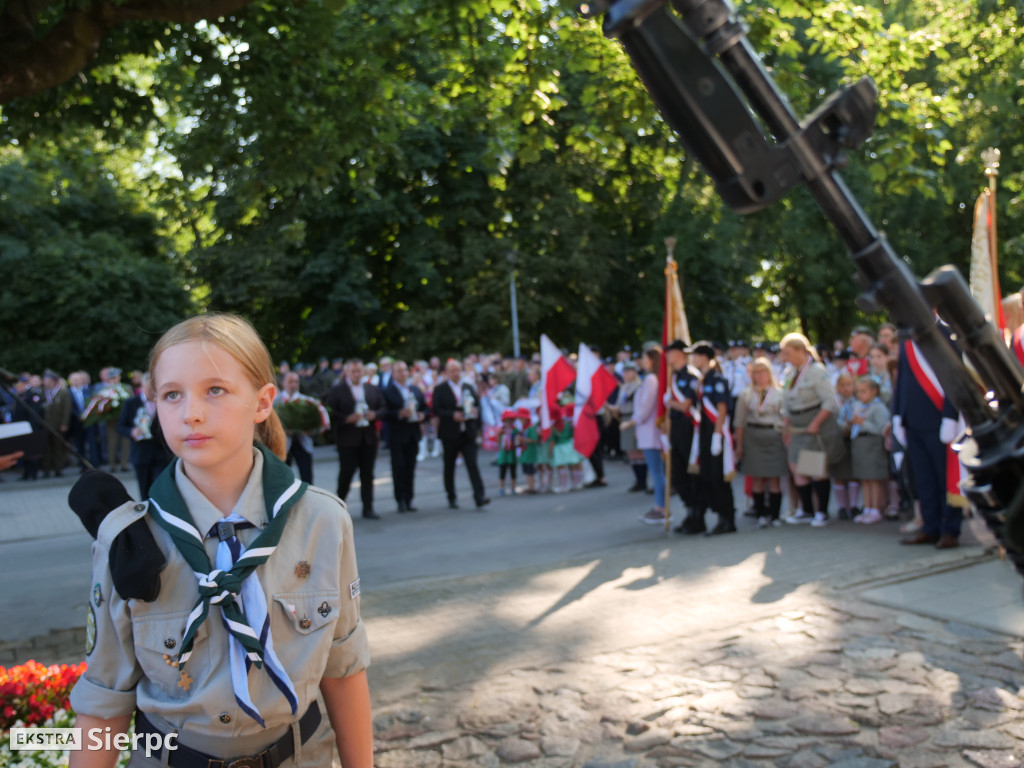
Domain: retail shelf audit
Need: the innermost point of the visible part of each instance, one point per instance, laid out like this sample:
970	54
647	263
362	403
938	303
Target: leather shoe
690	527
723	527
452	504
919	538
598	483
482	502
371	515
402	507
410	508
947	541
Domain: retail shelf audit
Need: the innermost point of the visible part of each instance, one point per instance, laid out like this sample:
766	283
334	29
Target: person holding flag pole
677	387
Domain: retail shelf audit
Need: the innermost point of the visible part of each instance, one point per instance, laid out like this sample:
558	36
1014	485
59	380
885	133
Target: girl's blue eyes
175	395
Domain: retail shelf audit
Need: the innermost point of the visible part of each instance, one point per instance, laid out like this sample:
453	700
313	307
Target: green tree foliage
85	280
366	177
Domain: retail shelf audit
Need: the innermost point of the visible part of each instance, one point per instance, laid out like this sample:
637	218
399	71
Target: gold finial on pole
670	246
991	157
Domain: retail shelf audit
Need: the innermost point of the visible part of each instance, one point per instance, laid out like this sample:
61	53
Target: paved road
435	542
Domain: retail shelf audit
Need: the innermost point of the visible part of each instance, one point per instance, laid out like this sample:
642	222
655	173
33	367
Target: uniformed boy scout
257	607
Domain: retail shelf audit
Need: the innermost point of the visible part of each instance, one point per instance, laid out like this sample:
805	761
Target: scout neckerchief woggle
220	586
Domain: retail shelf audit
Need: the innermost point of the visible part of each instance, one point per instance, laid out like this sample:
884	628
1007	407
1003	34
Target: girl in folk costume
870	460
809	412
623	411
847	489
712	444
566	459
508	444
759	442
531	448
246	606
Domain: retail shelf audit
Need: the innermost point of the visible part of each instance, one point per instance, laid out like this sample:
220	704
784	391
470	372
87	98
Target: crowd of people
858	420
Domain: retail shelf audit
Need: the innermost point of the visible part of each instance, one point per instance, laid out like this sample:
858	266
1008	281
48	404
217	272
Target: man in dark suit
149	453
355	407
406	409
457	405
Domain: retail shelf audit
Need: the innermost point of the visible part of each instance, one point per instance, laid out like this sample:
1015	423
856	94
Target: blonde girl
258	607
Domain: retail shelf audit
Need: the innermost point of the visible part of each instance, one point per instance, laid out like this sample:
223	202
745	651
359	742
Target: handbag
812	462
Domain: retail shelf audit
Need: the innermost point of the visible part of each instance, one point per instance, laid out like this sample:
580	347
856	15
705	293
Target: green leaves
355	177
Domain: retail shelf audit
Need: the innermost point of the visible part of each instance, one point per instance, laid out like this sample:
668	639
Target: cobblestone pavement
825	681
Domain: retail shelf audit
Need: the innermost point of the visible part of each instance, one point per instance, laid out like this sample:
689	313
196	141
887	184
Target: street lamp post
515	308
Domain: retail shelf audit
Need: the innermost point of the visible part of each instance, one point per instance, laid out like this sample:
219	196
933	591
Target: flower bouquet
104	406
300	415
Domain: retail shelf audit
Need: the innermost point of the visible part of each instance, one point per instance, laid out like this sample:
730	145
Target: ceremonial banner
556	374
593	385
674	326
985	261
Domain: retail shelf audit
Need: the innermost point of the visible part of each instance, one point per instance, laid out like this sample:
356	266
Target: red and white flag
593	385
555	375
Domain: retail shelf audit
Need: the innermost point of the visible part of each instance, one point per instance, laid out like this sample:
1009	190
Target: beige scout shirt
750	409
809	389
312	589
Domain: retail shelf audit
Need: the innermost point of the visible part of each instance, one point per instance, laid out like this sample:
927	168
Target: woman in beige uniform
257	608
809	413
759	444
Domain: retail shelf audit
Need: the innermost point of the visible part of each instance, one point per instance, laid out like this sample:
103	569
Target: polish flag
555	375
593	385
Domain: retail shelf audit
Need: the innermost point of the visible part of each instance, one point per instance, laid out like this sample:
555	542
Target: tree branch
66	49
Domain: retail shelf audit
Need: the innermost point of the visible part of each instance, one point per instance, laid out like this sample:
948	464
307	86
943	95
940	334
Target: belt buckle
246	762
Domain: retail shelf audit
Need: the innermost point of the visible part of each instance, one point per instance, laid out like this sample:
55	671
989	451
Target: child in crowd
258	568
508	445
878	369
531	448
566	460
847	490
870	460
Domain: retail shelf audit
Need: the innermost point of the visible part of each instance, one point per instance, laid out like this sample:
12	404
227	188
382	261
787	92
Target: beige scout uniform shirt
312	589
750	409
810	390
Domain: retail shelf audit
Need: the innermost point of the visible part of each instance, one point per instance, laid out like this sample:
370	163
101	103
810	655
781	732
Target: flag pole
670	244
991	157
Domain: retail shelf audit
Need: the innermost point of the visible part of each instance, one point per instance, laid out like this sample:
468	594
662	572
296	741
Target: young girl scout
258	606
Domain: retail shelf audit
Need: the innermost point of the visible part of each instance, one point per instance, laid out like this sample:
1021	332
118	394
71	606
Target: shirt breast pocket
158	641
303	628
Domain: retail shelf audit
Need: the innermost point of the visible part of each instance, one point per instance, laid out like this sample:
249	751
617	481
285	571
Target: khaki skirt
764	454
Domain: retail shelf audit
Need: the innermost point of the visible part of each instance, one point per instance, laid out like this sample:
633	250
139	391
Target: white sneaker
762	522
869	517
776	523
820	520
652	517
799	517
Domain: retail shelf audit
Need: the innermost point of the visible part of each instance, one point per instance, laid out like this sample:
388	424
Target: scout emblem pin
90	631
97	594
302	570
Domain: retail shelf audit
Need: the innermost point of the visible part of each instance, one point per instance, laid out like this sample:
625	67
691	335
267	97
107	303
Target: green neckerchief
280	492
